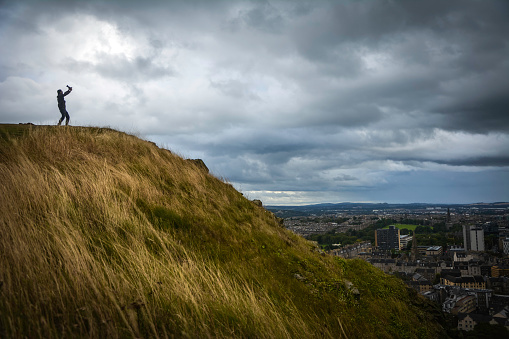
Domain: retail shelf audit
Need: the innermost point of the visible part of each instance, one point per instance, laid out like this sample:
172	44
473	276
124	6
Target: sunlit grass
106	235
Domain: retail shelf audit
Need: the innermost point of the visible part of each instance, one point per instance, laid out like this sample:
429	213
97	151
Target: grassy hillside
106	235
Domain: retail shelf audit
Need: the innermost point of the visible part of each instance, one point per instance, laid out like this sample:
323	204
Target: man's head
59	91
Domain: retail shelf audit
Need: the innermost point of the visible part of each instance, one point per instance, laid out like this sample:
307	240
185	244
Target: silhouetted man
61	105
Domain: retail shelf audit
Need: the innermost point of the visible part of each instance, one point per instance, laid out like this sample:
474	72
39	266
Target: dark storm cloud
463	42
479	106
262	16
9	17
274	146
493	161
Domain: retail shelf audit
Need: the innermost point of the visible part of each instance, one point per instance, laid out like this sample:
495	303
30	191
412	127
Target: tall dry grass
79	257
105	235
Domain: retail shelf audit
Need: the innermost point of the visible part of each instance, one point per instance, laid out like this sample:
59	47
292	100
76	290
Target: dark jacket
60	98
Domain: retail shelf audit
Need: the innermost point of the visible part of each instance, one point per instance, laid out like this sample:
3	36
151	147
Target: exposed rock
351	287
258	202
299	277
280	221
316	248
200	164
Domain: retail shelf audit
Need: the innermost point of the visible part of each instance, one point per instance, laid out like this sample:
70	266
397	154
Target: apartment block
387	238
473	238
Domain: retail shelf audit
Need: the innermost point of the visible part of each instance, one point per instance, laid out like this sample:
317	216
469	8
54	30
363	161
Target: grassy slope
104	234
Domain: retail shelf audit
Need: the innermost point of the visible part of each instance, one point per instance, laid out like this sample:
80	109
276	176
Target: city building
404	240
434	250
422	250
505	245
500	271
461	257
473	238
464	304
387	238
353	251
467	322
474	282
499	285
466	237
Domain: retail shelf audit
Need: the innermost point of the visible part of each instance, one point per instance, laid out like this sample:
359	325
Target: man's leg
66	118
64	113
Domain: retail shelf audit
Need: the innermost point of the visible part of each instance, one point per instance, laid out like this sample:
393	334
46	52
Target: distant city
456	255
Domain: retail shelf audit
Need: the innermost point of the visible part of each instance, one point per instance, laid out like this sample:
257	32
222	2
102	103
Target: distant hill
106	235
366	208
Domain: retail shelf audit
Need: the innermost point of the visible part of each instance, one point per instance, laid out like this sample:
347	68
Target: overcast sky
293	102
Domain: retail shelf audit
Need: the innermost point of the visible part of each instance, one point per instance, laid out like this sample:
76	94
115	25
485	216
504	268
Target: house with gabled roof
467	321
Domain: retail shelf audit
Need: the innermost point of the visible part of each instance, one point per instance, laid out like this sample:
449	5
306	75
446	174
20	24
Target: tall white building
473	238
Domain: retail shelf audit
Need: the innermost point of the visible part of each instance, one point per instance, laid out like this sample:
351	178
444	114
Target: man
61	105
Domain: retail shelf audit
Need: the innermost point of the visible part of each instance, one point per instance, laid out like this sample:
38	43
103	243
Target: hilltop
106	235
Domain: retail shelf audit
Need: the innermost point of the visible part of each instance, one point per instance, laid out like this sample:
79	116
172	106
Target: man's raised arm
69	90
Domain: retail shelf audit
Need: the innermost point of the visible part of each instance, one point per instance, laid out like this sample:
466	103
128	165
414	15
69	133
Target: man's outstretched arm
68	91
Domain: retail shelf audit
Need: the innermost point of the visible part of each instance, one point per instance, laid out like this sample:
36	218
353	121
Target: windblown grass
106	235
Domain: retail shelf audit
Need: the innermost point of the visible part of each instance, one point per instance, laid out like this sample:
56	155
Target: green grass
407	226
106	235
